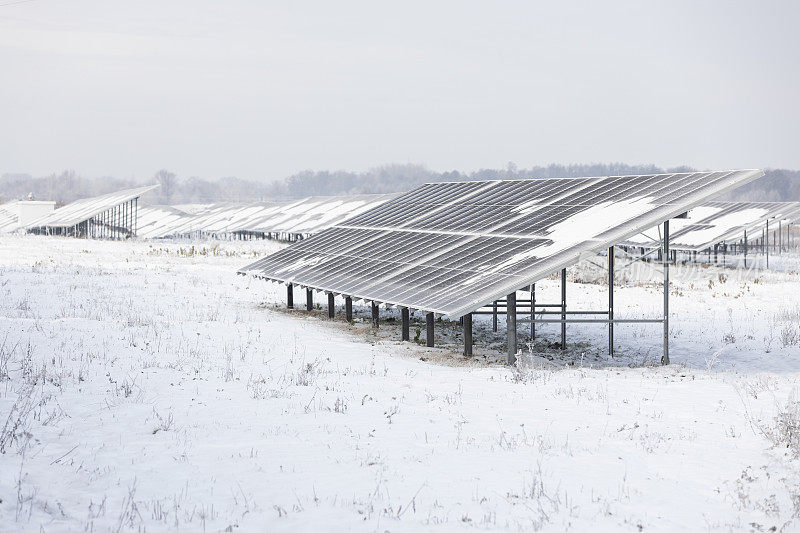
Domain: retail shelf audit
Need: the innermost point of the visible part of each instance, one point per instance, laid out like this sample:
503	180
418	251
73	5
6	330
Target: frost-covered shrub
6	351
784	432
790	336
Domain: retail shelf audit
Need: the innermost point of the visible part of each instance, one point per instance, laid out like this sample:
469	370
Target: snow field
146	386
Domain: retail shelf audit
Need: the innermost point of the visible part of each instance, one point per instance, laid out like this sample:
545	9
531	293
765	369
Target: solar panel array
451	248
719	222
81	210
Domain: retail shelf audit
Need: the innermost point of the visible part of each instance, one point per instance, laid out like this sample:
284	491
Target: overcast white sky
262	90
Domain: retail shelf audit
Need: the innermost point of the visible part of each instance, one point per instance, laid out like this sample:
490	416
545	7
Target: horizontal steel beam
502	303
544	312
595	321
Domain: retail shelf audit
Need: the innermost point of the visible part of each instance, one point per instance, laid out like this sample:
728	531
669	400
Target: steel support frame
511	311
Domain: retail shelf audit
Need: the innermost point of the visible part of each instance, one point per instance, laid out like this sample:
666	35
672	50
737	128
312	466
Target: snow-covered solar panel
792	216
451	248
314	213
297	217
81	210
9	217
719	222
223	218
159	221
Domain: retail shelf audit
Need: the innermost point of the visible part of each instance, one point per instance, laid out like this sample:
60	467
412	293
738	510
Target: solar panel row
451	248
297	217
719	222
159	221
81	210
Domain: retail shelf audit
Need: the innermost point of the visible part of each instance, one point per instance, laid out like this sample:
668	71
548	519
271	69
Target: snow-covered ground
146	386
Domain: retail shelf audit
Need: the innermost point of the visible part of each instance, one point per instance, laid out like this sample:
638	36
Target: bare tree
167	180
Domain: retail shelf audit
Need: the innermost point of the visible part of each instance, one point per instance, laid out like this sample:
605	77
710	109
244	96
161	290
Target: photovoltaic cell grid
717	222
451	248
84	209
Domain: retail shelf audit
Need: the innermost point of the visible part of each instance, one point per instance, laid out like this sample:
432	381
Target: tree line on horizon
67	186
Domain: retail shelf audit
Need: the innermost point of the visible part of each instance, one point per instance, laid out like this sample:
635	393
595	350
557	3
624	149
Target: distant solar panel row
297	217
159	221
451	248
720	222
81	210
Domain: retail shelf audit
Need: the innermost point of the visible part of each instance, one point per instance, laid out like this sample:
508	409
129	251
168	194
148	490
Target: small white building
30	210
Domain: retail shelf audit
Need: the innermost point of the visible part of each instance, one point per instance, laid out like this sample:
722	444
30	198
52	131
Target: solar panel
81	210
304	216
159	221
718	222
314	214
9	217
451	248
792	215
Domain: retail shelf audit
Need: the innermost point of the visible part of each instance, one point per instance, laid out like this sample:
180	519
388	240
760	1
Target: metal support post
533	312
348	309
309	300
467	325
611	301
494	316
766	248
375	315
331	307
564	308
289	297
404	319
429	330
745	248
665	357
511	327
